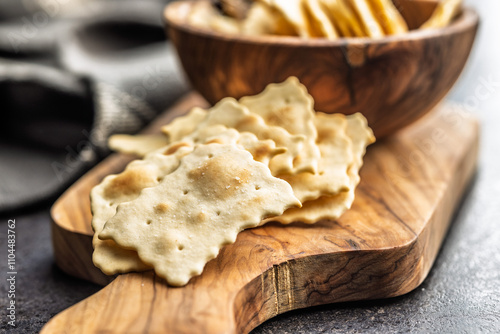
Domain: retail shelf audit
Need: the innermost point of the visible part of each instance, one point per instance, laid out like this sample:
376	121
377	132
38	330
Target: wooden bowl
393	81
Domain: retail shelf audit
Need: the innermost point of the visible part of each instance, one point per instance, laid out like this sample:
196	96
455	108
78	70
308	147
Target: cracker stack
216	172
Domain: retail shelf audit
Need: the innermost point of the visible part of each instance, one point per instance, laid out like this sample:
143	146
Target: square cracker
332	207
179	225
119	188
230	113
289	105
141	174
184	125
336	156
139	145
174	131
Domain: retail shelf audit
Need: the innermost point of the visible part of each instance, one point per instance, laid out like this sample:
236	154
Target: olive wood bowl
393	81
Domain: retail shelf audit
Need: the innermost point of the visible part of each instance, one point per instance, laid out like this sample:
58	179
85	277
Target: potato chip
289	105
367	19
332	207
235	8
343	18
265	20
295	13
443	14
321	19
139	145
201	14
204	15
225	24
181	224
389	17
314	18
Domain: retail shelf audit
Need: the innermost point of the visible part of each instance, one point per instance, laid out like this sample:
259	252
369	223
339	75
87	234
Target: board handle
144	303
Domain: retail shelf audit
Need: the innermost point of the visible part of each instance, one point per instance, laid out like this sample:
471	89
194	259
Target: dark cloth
70	76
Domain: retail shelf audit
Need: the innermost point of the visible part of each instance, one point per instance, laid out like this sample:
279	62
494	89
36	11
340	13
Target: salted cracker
332	207
289	105
184	125
138	145
261	150
336	157
230	113
141	174
124	187
211	132
179	225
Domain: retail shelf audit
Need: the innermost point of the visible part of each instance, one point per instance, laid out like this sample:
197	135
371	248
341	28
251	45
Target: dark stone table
460	295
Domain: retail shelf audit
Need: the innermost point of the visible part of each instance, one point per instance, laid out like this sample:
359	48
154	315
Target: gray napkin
105	69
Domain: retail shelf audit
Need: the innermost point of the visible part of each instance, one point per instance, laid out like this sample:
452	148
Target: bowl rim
468	19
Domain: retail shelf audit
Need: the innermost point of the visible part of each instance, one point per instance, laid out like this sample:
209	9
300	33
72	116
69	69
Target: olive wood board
384	246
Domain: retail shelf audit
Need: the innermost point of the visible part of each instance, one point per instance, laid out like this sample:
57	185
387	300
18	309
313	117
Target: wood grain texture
384	246
393	81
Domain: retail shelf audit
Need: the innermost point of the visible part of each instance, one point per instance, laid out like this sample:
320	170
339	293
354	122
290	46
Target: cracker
326	207
261	150
181	224
332	207
336	156
139	145
123	187
230	113
140	174
289	105
184	125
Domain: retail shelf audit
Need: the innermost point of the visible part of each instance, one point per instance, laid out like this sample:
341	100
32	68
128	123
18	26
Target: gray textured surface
460	295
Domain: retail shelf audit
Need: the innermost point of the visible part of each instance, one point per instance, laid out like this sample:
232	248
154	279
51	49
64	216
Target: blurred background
73	72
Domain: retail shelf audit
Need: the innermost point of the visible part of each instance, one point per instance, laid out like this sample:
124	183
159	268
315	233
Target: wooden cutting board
383	247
